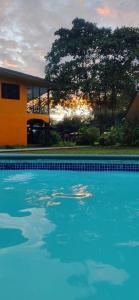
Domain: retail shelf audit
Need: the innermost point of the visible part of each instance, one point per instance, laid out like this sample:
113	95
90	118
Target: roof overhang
29	80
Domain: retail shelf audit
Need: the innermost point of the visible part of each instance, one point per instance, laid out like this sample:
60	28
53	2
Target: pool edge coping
69	156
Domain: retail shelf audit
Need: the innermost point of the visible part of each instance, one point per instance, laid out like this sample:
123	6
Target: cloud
10	64
104	11
28	26
119	18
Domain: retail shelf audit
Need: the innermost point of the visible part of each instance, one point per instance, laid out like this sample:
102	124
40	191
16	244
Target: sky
27	26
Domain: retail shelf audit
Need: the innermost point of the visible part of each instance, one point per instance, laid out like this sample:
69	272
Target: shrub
110	137
68	125
49	138
125	134
88	135
104	139
129	133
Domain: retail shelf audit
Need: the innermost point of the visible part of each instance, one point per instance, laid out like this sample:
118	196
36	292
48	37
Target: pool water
69	235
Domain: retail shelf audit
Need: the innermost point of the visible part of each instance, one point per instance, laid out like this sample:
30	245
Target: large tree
96	62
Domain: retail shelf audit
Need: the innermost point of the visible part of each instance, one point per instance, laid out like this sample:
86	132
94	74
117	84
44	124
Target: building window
10	91
37	101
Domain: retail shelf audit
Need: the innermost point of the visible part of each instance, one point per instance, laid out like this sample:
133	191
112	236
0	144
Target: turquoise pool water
69	235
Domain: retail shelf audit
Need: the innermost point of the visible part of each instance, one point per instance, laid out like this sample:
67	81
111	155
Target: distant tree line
98	63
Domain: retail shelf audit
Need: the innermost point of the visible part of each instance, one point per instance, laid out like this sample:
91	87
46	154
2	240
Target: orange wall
13	118
43	117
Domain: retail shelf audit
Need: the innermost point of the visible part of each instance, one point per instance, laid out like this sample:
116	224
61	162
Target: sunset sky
27	26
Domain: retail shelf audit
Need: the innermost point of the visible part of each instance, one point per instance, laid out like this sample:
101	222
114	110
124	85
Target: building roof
25	78
133	109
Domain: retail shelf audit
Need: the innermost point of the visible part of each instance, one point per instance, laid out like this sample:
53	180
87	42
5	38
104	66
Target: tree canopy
97	62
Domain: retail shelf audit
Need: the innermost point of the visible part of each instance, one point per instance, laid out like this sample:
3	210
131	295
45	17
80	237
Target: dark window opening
36	131
10	91
37	100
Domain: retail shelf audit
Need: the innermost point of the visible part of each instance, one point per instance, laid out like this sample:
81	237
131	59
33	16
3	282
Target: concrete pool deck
41	148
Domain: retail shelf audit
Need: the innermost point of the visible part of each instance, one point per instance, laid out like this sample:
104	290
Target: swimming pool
69	235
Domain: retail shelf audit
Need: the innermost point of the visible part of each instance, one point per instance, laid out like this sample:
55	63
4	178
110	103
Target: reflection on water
52	197
99	272
33	227
72	237
23	177
131	244
77	192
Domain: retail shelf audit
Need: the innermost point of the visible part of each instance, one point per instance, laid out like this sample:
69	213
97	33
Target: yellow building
24	100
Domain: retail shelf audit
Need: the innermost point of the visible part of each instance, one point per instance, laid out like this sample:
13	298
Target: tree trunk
114	105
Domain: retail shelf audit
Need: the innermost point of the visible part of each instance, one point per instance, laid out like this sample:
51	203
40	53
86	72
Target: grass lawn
90	150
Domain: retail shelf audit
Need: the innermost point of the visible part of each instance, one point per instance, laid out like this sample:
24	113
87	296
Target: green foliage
109	138
97	62
68	125
49	138
129	133
88	135
126	134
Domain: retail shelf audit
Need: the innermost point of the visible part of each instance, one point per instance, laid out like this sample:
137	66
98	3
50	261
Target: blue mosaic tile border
70	166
